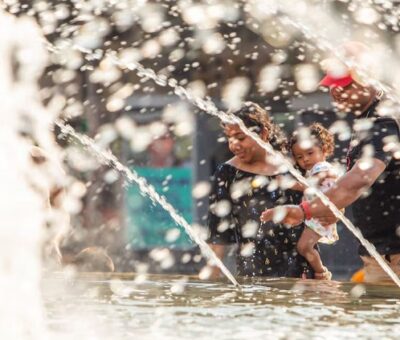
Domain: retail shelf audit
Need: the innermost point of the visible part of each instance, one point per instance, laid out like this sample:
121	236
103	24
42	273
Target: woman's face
243	146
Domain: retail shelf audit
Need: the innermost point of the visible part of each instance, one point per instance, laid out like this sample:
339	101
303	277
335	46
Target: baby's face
307	158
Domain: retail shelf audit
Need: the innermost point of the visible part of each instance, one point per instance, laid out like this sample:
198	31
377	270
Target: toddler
312	159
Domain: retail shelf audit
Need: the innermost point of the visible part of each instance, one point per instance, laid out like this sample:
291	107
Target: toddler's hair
320	135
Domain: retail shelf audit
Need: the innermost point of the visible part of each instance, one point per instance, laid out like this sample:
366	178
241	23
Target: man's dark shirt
271	248
377	213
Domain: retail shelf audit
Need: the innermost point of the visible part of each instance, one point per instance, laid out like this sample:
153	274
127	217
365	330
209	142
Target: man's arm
346	190
350	186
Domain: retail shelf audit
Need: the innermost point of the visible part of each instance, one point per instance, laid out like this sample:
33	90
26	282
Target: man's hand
287	214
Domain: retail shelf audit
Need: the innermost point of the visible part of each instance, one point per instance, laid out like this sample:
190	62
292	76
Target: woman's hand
293	215
287	214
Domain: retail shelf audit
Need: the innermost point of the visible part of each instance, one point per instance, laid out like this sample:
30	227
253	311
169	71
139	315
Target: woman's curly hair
255	118
321	135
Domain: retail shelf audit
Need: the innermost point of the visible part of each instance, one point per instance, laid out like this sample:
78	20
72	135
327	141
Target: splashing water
25	184
210	109
27	313
109	159
325	45
277	157
291	18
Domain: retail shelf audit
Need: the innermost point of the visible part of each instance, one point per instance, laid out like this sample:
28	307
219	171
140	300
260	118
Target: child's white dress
328	234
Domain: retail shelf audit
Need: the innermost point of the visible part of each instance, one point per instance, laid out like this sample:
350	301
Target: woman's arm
219	250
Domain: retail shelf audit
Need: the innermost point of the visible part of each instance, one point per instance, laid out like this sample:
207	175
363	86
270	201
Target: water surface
128	306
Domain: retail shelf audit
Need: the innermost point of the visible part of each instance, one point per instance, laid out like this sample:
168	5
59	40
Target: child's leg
305	247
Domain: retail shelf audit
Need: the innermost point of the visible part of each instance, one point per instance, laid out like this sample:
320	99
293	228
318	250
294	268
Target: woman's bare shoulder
233	161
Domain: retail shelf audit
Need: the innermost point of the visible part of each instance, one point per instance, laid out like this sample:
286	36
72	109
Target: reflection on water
173	307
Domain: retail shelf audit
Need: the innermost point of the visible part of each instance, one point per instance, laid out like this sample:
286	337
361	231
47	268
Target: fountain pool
127	306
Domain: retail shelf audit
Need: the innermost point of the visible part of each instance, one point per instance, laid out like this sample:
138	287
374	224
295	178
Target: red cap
330	81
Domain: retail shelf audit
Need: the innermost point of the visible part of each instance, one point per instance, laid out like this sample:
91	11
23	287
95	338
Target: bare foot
325	275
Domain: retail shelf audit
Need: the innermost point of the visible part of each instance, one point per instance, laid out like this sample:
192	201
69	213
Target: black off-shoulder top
237	200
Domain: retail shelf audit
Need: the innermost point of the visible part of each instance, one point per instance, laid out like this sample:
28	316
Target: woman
243	188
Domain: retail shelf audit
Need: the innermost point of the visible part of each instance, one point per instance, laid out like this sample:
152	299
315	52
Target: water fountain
24	125
211	109
201	302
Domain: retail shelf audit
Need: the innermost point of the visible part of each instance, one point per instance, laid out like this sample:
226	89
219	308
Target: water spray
210	108
109	159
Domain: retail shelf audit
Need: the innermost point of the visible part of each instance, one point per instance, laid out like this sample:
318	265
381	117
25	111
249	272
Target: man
372	183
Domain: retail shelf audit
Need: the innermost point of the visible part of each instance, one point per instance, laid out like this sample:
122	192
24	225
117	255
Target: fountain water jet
280	160
25	184
210	108
290	18
109	159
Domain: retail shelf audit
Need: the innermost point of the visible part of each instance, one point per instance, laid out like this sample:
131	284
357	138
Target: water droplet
205	273
249	229
279	214
222	208
201	189
357	291
247	249
172	235
177	288
270	78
